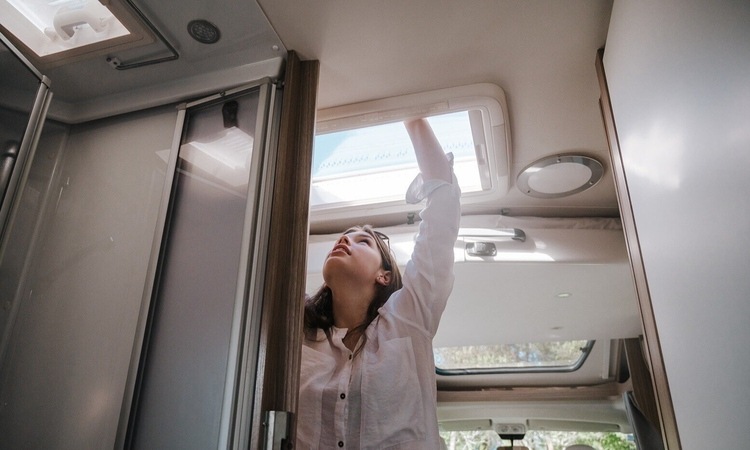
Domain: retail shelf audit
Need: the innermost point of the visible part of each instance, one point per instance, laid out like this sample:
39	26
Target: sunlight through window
53	26
377	163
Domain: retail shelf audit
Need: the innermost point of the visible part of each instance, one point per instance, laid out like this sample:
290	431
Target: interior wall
679	80
64	372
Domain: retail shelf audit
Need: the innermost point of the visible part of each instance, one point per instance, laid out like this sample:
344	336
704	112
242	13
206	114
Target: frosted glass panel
182	391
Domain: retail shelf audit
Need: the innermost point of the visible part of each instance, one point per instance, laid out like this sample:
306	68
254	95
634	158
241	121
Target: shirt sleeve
428	277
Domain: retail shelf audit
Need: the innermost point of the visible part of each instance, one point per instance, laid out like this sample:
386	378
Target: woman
368	375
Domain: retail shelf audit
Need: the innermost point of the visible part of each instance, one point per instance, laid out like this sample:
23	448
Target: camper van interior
173	175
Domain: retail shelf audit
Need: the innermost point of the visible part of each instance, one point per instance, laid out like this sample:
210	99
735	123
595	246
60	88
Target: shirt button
350	357
343	396
341	443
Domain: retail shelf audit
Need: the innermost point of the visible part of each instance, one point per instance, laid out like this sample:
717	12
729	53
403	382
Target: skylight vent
51	31
364	161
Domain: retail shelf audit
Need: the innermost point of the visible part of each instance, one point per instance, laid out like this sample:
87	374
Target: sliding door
197	361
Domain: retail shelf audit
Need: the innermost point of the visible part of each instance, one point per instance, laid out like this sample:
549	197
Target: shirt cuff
419	189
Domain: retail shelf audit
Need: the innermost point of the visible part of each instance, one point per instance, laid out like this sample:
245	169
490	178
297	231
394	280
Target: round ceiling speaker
203	31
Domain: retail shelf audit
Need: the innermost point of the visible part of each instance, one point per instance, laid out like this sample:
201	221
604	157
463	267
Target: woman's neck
350	308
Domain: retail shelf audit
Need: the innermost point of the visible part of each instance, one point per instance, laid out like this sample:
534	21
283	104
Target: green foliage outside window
533	354
537	440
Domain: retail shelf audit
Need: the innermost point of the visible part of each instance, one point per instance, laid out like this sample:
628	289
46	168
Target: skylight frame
139	35
487	99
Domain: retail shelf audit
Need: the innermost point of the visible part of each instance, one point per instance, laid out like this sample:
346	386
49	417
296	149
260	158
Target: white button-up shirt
385	397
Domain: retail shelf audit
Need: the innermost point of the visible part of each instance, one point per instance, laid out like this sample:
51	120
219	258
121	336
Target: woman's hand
433	164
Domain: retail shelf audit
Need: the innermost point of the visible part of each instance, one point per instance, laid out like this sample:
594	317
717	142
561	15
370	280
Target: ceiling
541	53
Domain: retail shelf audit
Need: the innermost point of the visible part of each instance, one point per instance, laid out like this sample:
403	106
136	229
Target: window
527	357
52	30
539	440
377	163
363	157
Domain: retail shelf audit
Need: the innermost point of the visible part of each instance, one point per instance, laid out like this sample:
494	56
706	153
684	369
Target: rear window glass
535	356
538	440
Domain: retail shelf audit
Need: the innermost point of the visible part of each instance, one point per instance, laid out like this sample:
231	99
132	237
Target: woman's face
356	257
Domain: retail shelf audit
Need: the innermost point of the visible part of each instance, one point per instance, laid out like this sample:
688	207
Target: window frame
585	352
487	98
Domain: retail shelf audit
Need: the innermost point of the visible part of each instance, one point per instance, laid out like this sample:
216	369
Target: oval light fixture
559	176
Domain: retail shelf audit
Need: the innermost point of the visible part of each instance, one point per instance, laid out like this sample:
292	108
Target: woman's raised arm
433	164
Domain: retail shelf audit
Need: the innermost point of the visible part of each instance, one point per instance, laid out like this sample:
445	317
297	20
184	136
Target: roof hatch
53	32
363	160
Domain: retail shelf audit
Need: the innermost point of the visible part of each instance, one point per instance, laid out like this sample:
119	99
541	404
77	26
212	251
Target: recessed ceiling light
559	176
564	295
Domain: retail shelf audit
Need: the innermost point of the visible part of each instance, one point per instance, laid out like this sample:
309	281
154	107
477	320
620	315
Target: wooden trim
280	348
652	347
640	378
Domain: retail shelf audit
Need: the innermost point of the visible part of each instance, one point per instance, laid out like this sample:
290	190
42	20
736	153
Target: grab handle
515	234
7	162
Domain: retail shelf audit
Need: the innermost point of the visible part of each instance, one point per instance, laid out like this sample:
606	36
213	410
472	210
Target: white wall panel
679	80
